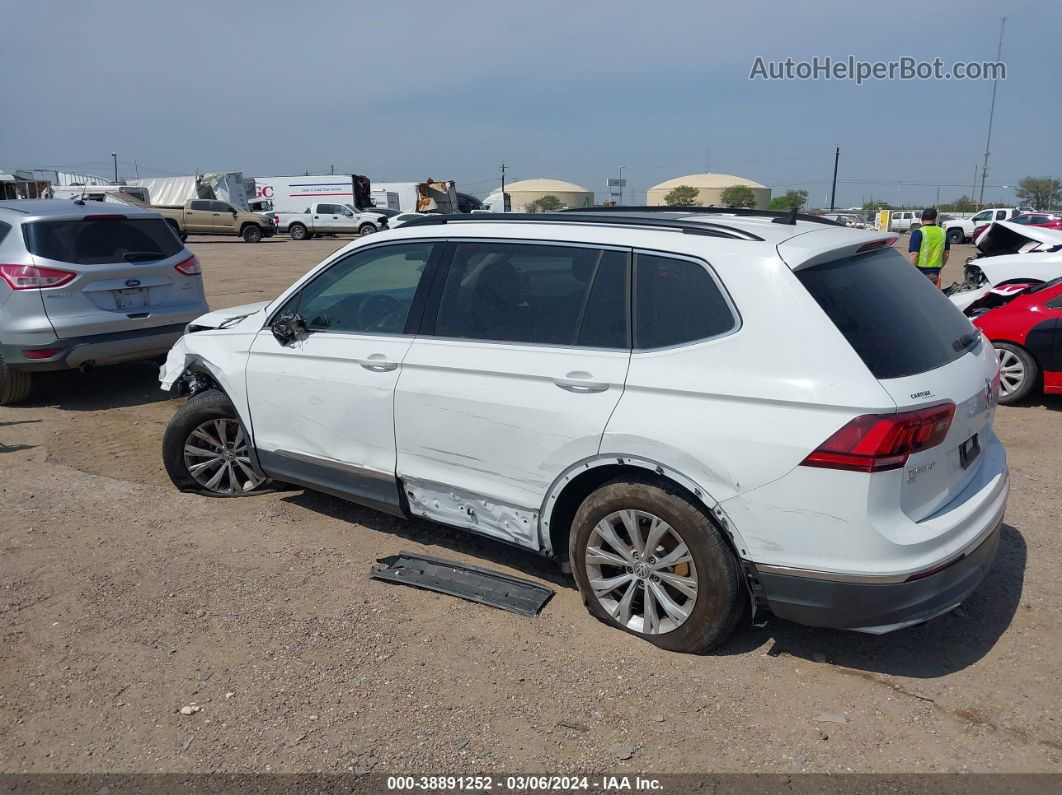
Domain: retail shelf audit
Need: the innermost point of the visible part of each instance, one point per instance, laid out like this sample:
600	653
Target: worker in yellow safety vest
929	247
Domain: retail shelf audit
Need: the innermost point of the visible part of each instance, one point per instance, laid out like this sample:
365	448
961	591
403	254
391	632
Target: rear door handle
378	363
580	382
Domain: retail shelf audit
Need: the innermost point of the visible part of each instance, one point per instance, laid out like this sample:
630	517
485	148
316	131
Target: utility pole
937	202
115	156
707	160
621	185
136	169
833	190
503	180
331	169
992	111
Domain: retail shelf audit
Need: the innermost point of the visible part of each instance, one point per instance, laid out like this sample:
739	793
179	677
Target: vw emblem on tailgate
132	282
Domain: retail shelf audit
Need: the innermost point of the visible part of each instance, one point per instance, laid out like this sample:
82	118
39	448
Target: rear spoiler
825	245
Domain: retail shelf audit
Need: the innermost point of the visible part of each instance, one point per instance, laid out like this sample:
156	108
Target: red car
1049	220
1024	323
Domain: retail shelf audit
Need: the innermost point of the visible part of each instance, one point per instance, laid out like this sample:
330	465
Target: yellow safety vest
931	252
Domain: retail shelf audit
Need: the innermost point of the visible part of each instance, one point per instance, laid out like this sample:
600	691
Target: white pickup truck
329	219
959	230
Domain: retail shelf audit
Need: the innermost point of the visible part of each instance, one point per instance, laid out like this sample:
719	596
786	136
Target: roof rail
783	216
596	219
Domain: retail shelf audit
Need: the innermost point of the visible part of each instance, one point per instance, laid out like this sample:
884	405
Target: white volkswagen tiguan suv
698	412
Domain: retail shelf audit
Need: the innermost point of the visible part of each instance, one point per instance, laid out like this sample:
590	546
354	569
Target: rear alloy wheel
1018	372
252	233
14	384
649	561
206	449
297	232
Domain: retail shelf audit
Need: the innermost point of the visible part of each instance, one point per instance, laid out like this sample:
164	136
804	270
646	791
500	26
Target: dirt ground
124	601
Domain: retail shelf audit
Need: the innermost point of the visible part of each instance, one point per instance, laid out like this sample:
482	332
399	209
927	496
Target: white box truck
295	194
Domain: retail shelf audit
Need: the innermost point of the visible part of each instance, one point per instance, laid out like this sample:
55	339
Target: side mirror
235	213
288	327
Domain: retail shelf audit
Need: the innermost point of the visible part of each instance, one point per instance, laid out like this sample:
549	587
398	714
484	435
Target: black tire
955	235
298	232
1030	372
720	599
207	406
366	229
251	233
14	384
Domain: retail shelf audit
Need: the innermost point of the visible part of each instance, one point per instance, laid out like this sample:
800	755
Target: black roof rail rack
598	219
780	216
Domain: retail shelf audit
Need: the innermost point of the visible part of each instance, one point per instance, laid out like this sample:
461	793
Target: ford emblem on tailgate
132	282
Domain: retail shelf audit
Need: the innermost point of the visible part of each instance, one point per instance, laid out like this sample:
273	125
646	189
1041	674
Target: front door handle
580	382
378	363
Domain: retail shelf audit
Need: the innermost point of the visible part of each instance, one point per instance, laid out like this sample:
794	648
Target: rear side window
89	242
892	315
541	294
677	301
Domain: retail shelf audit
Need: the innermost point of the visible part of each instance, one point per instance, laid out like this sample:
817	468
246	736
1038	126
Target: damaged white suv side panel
690	409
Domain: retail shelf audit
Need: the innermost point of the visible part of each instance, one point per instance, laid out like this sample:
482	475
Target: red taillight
40	353
877	442
189	267
34	277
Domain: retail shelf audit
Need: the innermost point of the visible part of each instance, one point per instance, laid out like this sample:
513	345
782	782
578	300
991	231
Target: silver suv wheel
641	572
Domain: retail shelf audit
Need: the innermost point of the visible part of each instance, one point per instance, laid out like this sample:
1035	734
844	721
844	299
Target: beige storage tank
710	189
523	192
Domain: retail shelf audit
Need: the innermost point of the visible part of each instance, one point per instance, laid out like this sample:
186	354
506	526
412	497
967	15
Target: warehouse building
526	191
710	189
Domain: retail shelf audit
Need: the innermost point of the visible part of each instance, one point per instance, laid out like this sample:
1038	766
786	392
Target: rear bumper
874	606
97	349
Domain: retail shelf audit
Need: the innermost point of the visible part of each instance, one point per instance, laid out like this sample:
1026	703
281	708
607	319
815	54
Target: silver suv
82	285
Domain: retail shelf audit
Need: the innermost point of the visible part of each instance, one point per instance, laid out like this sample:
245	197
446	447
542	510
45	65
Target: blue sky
570	90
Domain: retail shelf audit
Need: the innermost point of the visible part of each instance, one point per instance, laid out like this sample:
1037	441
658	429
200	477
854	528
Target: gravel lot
124	601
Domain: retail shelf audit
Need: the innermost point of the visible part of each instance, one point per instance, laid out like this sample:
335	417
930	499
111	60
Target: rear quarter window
4	229
89	242
891	315
677	301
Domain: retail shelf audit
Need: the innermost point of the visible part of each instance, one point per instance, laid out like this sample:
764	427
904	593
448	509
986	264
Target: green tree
963	204
793	199
873	205
1040	193
544	204
738	196
682	196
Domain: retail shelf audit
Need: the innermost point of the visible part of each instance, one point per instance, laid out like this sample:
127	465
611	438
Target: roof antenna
789	218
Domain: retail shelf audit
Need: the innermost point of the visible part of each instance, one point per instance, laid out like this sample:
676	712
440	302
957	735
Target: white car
1011	254
698	412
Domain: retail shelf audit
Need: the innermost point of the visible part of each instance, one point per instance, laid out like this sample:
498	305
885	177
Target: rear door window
891	315
677	301
92	242
200	205
537	294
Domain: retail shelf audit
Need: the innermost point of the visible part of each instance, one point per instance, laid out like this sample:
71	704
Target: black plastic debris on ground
467	582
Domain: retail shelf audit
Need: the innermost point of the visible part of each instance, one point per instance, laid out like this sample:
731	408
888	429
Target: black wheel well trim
246	224
572	486
1024	347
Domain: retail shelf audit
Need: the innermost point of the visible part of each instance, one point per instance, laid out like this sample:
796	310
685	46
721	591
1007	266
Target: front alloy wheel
206	449
216	455
641	572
